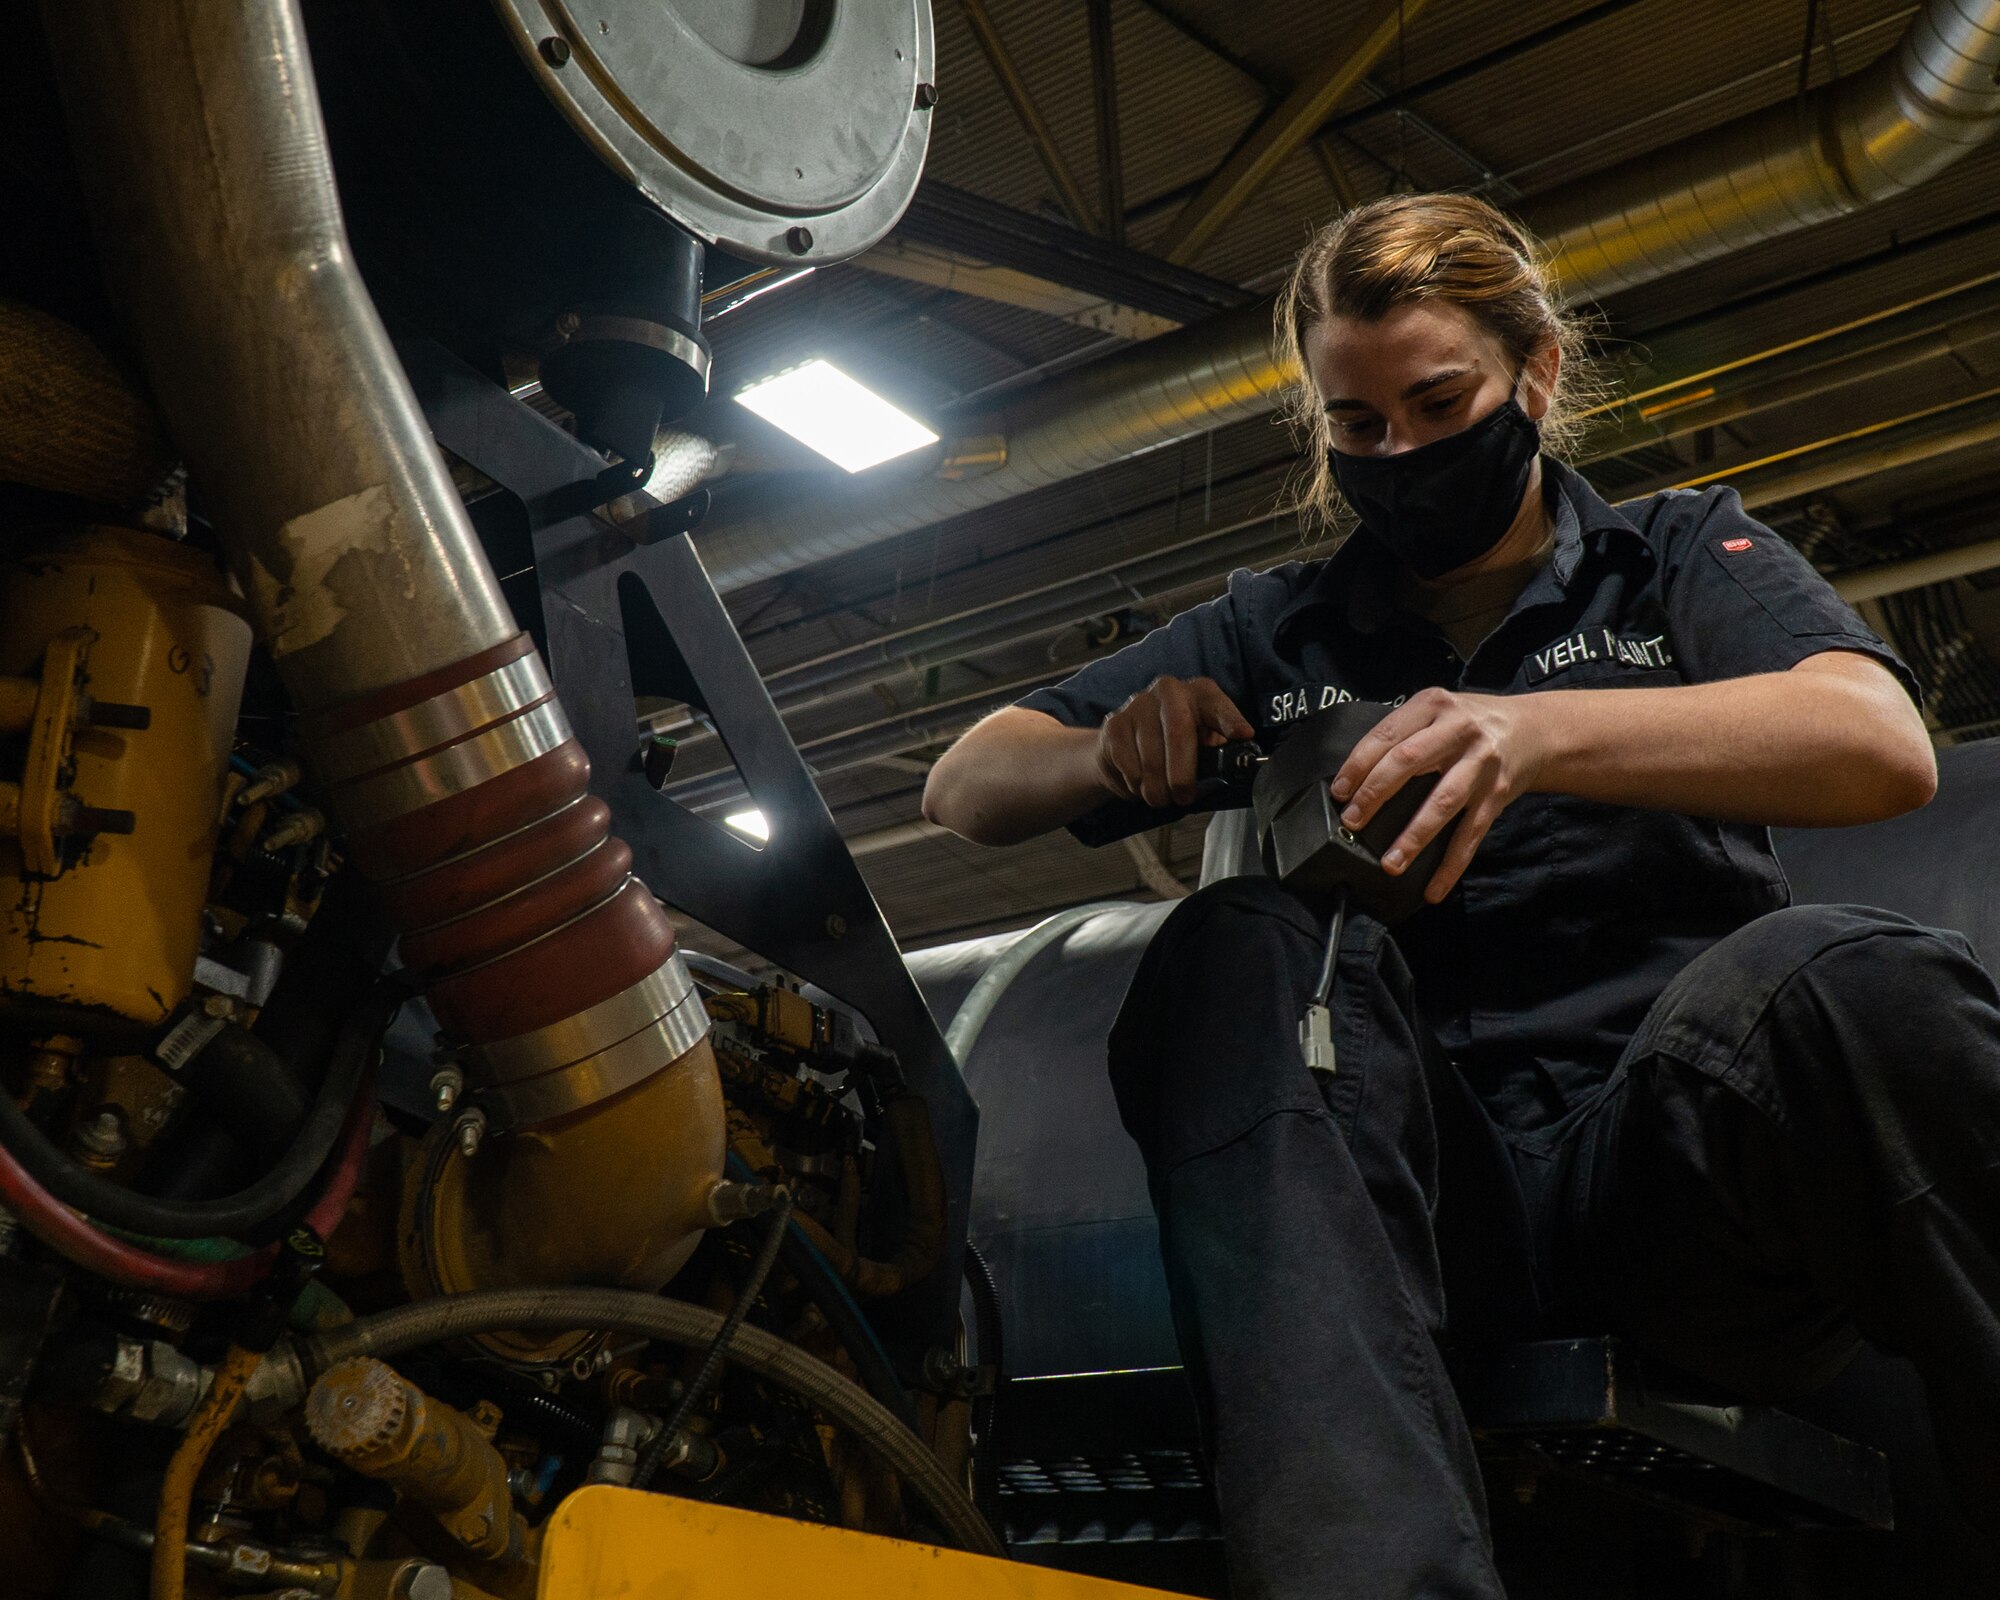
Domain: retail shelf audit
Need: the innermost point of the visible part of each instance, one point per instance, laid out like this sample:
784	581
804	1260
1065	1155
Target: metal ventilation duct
1861	139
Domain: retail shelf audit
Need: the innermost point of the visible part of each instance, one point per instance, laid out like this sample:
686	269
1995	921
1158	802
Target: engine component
530	1311
100	929
424	709
362	1413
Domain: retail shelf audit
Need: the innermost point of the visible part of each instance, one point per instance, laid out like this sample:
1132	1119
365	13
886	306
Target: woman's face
1425	370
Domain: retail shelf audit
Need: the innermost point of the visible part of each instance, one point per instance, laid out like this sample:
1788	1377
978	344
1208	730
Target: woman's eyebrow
1436	378
1421	386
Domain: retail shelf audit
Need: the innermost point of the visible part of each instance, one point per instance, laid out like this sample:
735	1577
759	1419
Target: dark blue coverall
1614	1082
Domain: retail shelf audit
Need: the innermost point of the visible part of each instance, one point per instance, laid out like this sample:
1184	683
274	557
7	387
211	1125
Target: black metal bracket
617	617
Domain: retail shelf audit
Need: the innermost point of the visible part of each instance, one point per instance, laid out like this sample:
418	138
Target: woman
1605	1079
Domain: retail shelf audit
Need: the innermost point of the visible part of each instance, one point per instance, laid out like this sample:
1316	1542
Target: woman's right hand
1146	749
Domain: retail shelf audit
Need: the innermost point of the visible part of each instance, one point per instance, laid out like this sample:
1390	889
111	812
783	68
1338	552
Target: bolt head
426	1581
799	239
473	1527
555	50
927	96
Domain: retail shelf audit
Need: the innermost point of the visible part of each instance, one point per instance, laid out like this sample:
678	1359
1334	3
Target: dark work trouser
1799	1150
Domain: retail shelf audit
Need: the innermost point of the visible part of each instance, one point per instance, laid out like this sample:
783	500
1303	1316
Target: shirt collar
1356	584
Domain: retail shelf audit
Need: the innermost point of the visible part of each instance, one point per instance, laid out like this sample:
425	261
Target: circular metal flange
753	123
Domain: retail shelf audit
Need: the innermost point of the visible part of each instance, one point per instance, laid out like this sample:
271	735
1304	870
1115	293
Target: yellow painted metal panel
620	1544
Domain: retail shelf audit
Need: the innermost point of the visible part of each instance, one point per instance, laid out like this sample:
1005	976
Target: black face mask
1447	502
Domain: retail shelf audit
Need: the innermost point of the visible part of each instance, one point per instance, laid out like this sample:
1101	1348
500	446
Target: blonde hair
1405	248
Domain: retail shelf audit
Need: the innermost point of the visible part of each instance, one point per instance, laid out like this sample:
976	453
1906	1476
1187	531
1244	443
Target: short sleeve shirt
1541	964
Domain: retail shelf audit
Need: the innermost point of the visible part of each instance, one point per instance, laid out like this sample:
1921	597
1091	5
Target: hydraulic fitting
366	1415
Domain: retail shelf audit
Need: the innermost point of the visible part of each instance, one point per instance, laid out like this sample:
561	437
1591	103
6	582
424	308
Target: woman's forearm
1832	743
1017	774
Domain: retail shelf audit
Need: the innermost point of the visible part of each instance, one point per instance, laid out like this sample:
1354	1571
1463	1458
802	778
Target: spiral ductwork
1864	138
425	710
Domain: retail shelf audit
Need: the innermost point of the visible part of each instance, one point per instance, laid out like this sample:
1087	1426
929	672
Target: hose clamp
409	733
384	796
538	1096
605	329
577	1037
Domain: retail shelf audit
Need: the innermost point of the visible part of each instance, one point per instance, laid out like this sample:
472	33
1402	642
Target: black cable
985	1408
284	1183
711	1363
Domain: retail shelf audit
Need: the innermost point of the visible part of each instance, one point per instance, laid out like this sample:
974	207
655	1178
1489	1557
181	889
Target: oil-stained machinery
285	769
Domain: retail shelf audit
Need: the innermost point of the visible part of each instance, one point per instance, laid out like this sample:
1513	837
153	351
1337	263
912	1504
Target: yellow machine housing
604	1541
102	939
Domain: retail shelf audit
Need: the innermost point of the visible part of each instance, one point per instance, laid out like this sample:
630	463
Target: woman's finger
1429	749
1122	750
1473	827
1411	717
1453	792
1151	743
1216	712
1180	741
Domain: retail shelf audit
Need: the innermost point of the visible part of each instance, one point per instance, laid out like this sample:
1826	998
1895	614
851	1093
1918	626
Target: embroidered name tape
1598	644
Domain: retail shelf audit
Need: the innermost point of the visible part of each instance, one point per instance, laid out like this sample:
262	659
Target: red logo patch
1734	545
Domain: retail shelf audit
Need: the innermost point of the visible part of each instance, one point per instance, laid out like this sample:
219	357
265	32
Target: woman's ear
1541	372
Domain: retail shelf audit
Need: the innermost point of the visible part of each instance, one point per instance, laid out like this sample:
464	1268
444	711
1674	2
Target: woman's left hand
1486	751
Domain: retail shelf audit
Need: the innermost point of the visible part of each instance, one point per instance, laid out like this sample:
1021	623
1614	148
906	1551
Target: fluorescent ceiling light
750	824
845	421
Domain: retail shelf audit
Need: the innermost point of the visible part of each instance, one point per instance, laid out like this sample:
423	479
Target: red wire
76	1238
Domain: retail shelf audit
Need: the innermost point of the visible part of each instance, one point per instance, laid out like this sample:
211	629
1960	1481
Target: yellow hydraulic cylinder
366	1414
99	928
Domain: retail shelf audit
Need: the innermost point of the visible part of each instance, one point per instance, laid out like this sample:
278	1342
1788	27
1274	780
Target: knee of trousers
1837	988
1206	1045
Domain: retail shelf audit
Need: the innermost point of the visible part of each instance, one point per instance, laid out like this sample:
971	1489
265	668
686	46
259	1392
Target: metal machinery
286	770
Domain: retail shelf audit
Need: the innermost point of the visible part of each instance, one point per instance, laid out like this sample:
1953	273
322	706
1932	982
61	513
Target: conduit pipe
1019	619
1958	424
1967	333
887	736
1920	572
196	127
1861	139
